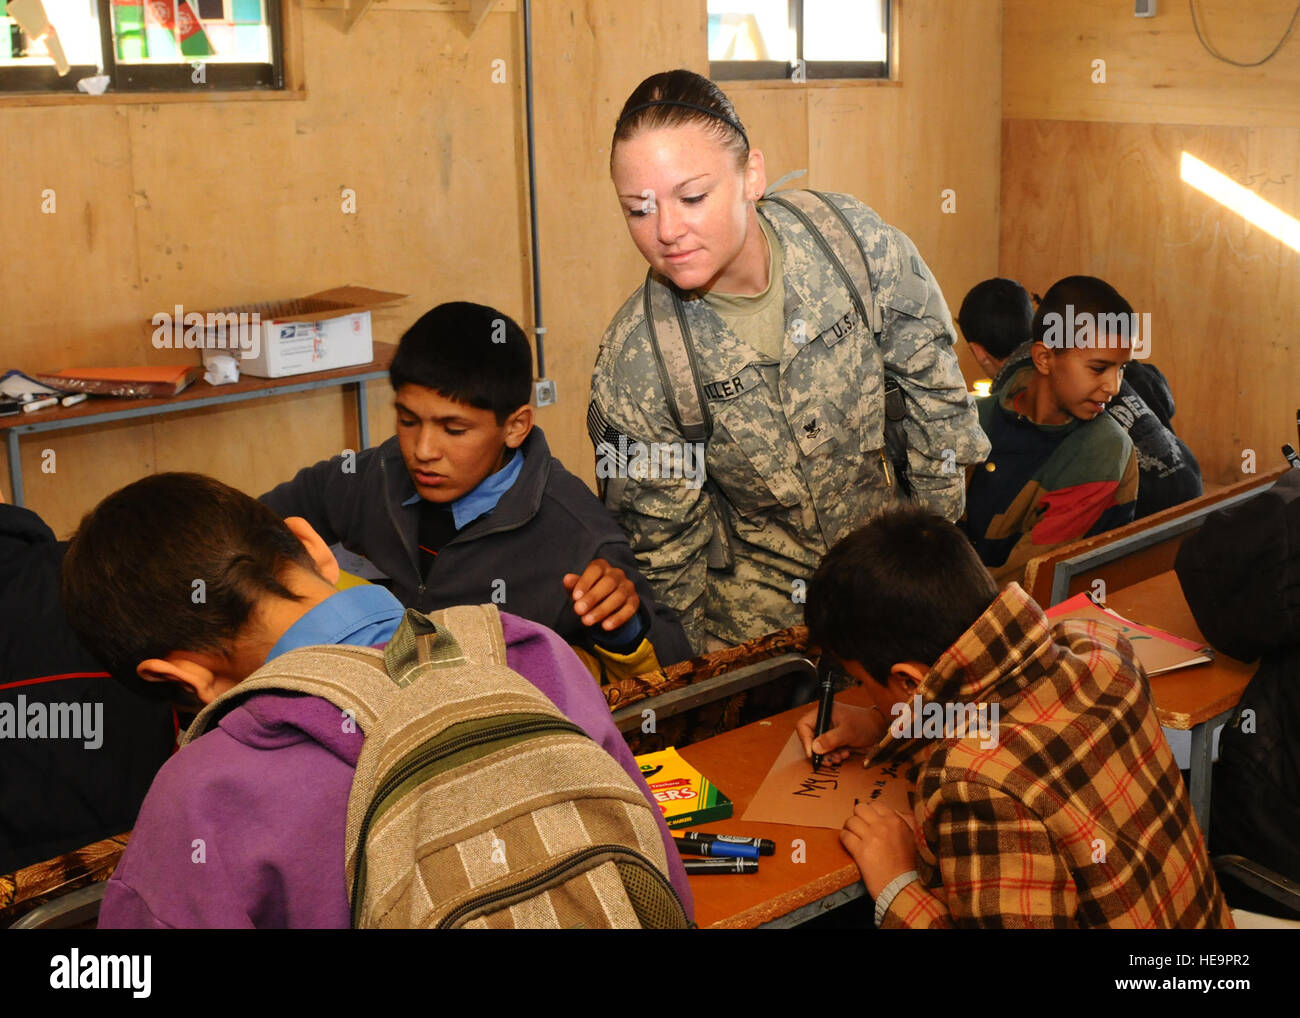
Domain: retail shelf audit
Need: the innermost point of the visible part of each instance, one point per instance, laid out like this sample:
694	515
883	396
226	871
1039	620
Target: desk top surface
198	390
1188	696
737	761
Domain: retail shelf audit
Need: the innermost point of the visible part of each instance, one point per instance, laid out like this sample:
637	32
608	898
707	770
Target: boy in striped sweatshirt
1060	467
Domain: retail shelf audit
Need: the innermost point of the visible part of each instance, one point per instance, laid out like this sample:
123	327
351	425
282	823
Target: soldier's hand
602	594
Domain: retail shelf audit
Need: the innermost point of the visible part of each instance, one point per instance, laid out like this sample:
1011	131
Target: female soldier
766	337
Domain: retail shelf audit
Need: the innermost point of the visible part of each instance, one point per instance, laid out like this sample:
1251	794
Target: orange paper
168	373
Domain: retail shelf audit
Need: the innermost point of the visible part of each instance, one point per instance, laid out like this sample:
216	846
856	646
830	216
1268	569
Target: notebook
1158	651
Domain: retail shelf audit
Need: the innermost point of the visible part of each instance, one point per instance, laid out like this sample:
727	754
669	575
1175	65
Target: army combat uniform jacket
797	449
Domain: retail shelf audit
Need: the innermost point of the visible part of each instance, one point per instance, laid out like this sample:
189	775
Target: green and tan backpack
476	803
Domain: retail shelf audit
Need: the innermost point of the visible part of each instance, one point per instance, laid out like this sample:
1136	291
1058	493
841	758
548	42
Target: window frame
820	70
156	80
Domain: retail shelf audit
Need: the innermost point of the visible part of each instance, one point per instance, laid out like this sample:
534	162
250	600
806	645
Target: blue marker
765	846
717	849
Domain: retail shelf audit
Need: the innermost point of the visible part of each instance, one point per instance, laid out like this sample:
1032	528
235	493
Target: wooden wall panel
1156	70
1090	184
87	465
1106	200
899	145
210	203
66	273
588	57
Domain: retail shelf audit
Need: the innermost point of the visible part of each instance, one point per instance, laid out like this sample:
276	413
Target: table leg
363	417
15	467
1200	777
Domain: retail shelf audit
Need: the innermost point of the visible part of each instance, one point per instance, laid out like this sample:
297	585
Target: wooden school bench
1133	552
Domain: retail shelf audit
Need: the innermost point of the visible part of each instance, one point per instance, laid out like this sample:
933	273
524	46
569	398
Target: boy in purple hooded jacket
193	586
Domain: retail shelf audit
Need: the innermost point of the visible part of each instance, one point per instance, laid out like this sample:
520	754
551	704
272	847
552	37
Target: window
140	45
799	39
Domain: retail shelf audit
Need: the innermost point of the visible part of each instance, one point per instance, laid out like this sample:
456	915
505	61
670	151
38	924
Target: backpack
670	338
476	803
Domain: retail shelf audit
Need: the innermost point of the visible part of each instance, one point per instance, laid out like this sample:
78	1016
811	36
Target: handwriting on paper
819	782
793	793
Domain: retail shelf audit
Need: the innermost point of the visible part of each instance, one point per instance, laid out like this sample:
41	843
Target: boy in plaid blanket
1063	809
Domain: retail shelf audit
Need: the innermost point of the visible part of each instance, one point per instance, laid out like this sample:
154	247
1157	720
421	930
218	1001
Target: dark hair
1085	294
130	576
903	587
670	98
997	314
471	353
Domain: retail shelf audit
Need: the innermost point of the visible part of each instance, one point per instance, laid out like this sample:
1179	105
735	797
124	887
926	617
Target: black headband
690	106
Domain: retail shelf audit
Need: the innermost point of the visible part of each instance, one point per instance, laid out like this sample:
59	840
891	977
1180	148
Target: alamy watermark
933	720
674	461
41	720
75	971
215	330
1106	331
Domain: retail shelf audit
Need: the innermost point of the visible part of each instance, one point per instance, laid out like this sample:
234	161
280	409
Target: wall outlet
544	392
1144	8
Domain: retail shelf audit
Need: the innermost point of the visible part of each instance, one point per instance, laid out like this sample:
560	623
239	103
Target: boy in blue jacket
466	504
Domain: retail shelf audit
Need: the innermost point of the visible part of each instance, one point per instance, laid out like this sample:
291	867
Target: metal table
102	409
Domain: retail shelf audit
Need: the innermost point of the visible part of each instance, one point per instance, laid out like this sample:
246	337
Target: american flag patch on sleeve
608	440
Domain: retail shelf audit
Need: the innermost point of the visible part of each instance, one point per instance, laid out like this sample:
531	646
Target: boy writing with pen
1074	815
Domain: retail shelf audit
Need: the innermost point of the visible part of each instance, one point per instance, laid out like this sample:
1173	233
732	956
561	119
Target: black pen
1290	455
827	673
720	865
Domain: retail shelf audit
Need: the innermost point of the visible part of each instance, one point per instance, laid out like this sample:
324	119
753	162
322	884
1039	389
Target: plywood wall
217	202
1090	184
205	204
908	148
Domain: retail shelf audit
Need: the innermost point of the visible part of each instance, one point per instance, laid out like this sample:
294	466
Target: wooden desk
1136	551
1199	698
783	892
101	409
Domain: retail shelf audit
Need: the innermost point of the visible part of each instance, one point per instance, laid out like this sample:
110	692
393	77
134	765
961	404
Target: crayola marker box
685	796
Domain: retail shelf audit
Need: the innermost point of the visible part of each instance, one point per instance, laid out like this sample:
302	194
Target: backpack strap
679	374
478	632
829	227
670	338
363	681
354	679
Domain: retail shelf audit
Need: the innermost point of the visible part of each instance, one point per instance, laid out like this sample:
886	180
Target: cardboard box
325	330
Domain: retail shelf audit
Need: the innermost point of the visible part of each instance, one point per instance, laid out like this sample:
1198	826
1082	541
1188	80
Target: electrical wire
1191	5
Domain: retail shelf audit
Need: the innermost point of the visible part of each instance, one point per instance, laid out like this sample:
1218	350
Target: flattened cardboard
792	793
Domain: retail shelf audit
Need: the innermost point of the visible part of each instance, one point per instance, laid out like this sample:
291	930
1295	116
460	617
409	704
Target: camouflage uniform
797	448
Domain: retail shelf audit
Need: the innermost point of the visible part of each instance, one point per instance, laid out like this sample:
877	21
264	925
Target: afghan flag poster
178	18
